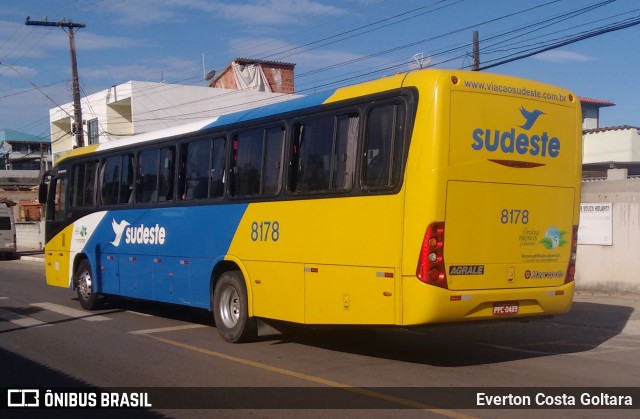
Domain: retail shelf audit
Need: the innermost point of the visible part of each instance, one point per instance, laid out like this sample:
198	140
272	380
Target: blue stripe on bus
315	99
208	232
161	251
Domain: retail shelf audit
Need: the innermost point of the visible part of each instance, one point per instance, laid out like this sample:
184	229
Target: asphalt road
177	357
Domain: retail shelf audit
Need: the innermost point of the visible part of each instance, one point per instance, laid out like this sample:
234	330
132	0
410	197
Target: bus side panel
349	295
278	290
323	252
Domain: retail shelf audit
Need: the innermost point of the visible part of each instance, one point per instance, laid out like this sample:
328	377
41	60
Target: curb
32	258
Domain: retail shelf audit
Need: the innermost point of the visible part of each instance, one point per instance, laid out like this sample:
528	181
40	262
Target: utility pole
475	65
77	110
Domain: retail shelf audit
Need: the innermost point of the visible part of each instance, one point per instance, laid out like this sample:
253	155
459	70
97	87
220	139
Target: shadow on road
586	327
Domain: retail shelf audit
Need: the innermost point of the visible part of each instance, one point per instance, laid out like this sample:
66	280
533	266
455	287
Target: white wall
137	107
611	145
616	267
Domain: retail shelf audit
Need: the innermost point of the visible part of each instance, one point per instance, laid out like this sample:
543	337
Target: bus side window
247	163
271	168
323	154
57	212
383	147
257	162
166	173
147	179
110	180
315	150
83	180
217	173
76	191
345	149
126	180
194	170
89	184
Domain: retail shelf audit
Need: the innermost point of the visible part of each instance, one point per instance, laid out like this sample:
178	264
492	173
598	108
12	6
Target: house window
92	127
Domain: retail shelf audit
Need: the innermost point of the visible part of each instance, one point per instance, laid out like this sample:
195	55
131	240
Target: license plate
505	309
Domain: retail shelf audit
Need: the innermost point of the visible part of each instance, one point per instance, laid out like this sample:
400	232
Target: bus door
58	230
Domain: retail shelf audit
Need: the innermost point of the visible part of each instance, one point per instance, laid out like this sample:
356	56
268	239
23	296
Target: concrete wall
30	235
612	145
615	267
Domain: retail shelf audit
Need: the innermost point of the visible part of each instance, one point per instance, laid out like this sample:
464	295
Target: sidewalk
32	255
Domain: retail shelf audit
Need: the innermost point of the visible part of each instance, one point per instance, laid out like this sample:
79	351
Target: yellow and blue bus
426	197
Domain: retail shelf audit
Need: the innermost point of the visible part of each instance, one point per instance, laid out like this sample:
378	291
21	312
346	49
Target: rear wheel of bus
84	282
230	309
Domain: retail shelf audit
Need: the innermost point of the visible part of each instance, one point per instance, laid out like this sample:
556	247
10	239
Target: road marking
316	380
20	320
167	329
632	327
72	312
139	314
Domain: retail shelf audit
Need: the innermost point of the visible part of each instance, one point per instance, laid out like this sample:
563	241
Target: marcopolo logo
516	141
137	234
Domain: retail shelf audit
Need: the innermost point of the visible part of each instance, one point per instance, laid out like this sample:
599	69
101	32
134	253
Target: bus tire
230	309
84	283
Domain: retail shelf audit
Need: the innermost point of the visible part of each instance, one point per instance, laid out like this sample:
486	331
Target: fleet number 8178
514	216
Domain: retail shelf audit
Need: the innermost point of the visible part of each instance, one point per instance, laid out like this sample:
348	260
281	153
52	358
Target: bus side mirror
42	193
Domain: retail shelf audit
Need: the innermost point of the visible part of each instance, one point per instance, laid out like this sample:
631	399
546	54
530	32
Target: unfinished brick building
254	74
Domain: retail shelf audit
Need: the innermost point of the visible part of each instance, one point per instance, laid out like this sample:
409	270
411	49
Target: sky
332	43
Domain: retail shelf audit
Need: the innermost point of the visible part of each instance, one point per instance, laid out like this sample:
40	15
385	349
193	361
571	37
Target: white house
137	107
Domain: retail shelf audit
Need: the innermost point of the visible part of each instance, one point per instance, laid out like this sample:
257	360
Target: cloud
170	69
276	12
256	12
131	13
17	71
562	56
91	41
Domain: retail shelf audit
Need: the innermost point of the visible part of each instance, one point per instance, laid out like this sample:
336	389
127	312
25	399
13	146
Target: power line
591	34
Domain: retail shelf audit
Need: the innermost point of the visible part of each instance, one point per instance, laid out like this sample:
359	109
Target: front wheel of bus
230	309
84	282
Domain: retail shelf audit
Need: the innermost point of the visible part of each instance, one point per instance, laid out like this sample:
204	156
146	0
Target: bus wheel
230	309
84	286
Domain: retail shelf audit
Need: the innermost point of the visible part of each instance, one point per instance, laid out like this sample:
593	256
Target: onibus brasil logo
137	234
522	141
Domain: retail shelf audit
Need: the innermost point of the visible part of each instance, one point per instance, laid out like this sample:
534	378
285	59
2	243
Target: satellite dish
210	75
419	61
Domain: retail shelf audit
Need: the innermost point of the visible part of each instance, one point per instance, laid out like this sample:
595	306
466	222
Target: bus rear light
431	260
571	268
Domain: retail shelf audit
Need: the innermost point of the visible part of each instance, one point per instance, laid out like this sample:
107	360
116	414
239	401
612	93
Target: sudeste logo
514	141
137	234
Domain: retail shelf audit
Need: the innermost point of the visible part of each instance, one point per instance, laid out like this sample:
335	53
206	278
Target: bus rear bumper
425	304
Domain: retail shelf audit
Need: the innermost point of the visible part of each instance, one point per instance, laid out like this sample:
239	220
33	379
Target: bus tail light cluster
431	268
571	269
